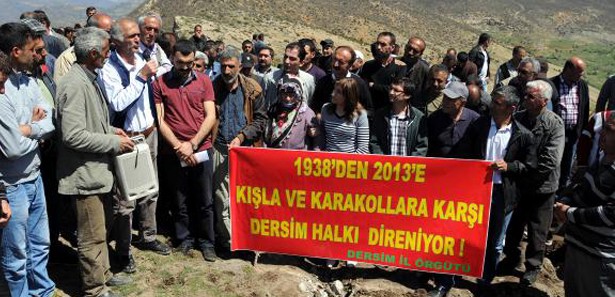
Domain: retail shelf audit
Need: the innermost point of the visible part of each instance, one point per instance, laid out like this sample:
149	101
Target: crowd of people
70	103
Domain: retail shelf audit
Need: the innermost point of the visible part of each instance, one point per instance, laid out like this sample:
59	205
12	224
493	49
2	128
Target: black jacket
416	135
324	89
583	102
520	155
476	56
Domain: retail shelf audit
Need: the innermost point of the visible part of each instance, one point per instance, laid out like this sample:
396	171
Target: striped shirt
343	136
569	103
399	128
592	218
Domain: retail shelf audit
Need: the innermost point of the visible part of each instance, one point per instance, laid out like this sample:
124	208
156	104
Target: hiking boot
128	265
185	246
118	280
155	246
209	254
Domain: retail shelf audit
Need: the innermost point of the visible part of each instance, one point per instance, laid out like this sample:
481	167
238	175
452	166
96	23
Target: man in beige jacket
88	143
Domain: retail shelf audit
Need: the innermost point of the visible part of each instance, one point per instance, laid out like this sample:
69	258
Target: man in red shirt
186	114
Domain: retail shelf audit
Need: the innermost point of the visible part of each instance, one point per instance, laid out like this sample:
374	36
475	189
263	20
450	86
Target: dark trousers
192	207
535	210
570	149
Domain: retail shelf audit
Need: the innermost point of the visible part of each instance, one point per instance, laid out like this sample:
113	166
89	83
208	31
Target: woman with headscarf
292	124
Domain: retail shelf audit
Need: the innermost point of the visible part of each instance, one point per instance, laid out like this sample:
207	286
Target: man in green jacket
88	144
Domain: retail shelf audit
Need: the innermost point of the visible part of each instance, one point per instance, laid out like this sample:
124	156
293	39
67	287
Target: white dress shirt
135	96
497	141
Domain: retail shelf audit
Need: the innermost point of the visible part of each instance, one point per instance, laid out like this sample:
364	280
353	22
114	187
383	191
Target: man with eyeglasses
149	26
342	59
242	119
186	116
126	80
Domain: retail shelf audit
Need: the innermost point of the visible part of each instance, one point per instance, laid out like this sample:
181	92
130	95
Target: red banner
415	213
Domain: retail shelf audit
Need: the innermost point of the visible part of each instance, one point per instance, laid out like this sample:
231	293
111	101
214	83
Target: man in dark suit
481	58
573	107
506	142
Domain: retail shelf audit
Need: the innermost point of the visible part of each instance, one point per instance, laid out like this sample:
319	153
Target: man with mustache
380	72
186	115
242	117
126	80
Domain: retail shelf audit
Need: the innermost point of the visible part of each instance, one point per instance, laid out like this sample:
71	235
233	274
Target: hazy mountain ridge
65	12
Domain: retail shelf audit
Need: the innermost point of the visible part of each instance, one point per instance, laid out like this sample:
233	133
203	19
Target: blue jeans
25	241
498	224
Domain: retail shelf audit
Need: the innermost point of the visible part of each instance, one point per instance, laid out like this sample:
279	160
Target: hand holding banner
410	212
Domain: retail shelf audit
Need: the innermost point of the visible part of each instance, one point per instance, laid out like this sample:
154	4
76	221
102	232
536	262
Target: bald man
66	60
573	107
478	100
417	68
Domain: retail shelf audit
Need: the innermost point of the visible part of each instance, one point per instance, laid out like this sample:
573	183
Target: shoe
109	294
185	246
209	254
530	276
156	246
508	266
438	292
119	280
128	265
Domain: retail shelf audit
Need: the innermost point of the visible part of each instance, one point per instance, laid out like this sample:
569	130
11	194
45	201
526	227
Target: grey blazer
88	141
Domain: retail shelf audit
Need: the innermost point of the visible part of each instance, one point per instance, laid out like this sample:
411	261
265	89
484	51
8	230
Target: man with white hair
535	206
126	80
200	62
88	143
149	26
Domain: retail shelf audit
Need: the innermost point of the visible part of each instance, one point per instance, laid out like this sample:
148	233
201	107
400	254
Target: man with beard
241	121
25	119
186	115
417	68
343	58
149	26
430	99
380	72
126	80
265	70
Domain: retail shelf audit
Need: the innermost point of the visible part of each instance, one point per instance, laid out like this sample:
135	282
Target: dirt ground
279	275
